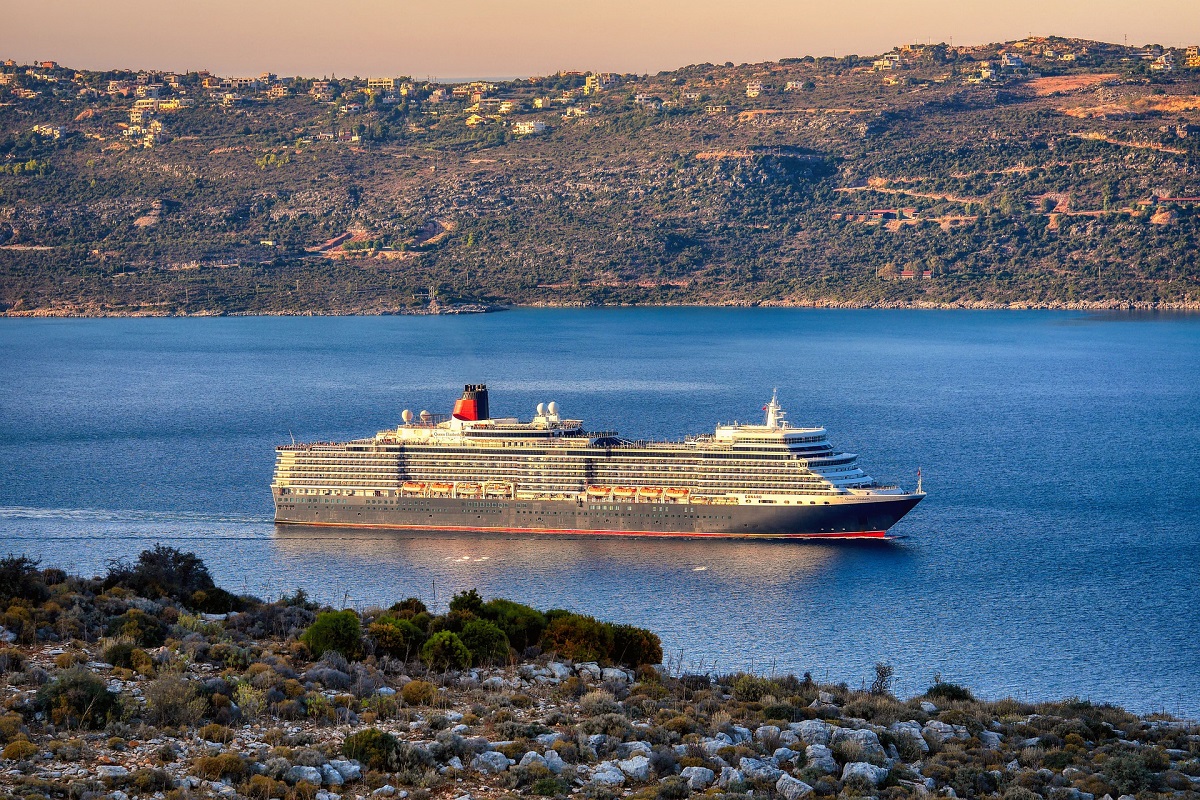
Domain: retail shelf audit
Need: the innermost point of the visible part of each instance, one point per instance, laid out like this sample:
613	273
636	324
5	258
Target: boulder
730	775
112	771
560	671
911	728
490	762
532	759
597	741
990	739
309	774
614	674
331	776
868	740
385	691
870	773
757	770
783	754
589	670
455	763
698	778
387	790
349	770
630	749
942	732
495	684
812	731
607	773
820	758
740	735
764	731
547	739
792	788
637	767
928	707
554	762
788	739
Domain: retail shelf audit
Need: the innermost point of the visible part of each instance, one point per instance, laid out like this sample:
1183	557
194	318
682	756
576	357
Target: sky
452	39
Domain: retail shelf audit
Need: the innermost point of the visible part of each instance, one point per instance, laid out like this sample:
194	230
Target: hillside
1046	172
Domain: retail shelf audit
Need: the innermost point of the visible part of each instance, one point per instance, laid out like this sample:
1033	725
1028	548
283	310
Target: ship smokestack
473	405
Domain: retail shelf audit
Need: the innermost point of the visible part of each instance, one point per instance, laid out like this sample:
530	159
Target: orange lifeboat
676	494
468	490
498	489
701	500
650	492
440	488
624	491
599	491
413	486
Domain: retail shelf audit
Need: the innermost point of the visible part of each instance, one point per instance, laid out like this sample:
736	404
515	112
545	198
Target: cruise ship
468	471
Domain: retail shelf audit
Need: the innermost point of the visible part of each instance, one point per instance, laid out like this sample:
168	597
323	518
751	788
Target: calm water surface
1058	552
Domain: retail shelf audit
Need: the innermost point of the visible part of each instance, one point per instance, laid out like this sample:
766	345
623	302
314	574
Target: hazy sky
475	38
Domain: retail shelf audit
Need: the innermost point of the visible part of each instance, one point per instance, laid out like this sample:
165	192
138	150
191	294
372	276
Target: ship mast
775	412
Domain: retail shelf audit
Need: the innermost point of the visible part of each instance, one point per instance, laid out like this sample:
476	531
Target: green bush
77	698
467	601
445	650
395	637
633	646
139	627
752	688
383	752
20	750
20	579
337	631
522	624
576	636
409	608
1128	774
949	691
119	654
11	660
419	693
173	700
163	572
485	640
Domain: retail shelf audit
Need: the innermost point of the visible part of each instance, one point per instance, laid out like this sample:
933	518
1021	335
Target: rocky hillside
123	687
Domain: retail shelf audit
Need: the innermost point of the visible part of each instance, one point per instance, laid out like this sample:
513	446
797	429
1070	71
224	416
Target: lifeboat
701	500
498	489
676	494
440	488
624	491
413	486
468	490
599	491
650	492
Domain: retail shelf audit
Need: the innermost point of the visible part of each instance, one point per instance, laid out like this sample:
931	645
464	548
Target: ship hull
865	517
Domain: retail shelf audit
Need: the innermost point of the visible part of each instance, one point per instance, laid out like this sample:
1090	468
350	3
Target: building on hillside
48	64
754	88
437	96
49	131
599	82
1164	63
528	127
508	106
278	92
253	84
210	82
1011	61
542	102
321	90
474	120
7	78
888	62
383	84
715	109
691	97
154	90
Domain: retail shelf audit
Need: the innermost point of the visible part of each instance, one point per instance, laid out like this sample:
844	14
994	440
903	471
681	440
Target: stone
495	684
870	773
784	754
825	698
763	731
928	707
812	731
547	739
350	770
630	749
560	671
990	739
730	775
589	670
614	674
112	771
637	767
324	795
607	773
490	762
554	762
1127	797
788	739
596	741
740	734
943	732
698	778
868	740
298	773
820	758
758	770
118	795
387	790
792	788
532	759
911	728
385	691
331	776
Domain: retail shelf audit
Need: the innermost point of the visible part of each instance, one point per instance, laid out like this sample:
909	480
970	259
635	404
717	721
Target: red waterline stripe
594	532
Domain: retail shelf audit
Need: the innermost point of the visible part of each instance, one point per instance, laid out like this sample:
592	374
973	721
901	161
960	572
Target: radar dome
425	415
541	409
553	408
406	415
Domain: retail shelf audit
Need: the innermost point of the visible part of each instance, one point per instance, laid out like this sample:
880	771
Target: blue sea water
1058	552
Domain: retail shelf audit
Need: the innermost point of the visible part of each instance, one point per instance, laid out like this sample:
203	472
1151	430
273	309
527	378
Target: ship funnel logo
473	405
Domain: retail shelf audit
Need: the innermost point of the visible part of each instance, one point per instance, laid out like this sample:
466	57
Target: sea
1056	555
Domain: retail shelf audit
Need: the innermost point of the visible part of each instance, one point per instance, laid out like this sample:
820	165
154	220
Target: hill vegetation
1046	172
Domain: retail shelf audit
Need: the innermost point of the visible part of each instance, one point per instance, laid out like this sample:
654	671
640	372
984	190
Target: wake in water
123	515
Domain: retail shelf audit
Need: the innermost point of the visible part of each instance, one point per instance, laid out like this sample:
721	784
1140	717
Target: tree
485	640
339	631
445	650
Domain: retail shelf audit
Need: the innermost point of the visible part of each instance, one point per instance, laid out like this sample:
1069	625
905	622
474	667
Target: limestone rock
820	758
870	773
764	731
331	776
758	770
298	773
911	728
698	778
990	739
532	759
350	770
607	773
792	788
637	767
490	762
554	762
112	771
730	775
868	740
812	731
614	674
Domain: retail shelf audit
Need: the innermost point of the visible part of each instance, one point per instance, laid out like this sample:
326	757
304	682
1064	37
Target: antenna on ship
918	480
293	437
774	412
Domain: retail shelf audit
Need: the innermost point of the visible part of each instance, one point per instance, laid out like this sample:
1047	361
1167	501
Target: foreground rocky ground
284	700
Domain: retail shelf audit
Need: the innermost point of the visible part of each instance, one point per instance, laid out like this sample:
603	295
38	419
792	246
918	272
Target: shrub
20	750
672	788
549	787
467	601
949	691
215	733
445	650
173	700
633	646
751	688
397	638
78	698
419	693
1020	793
161	572
214	768
1127	773
599	702
138	627
262	787
576	636
487	643
20	579
409	608
337	631
523	625
382	751
11	660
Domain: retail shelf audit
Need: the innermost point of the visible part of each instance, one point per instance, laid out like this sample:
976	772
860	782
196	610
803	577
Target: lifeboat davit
676	494
468	490
652	492
624	491
498	489
440	488
599	491
413	486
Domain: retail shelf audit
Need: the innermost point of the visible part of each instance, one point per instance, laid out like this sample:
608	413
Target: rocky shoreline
152	682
